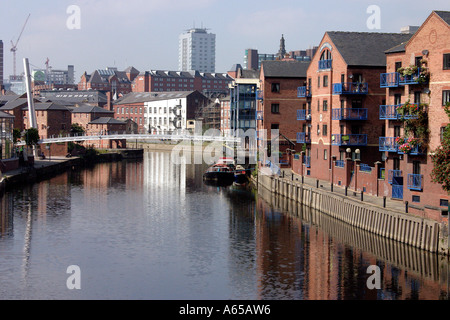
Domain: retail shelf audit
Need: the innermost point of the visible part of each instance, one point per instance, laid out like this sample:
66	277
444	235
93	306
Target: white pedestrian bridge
140	137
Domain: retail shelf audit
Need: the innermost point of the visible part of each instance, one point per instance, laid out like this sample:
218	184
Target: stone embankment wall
412	230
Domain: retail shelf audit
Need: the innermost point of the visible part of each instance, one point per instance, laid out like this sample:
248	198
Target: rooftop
285	69
366	48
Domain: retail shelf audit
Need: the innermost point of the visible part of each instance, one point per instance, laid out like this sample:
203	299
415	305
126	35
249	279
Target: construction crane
14	47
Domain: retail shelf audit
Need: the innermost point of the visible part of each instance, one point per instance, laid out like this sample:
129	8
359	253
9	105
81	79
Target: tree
31	136
76	129
17	135
441	158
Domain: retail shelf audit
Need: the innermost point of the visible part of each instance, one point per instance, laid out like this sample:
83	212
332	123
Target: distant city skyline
145	34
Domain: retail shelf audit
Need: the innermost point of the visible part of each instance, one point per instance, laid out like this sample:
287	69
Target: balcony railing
415	151
415	182
325	64
303	92
349	114
388	144
389	80
365	167
392	174
303	137
259	95
351	88
340	163
259	115
349	139
303	115
389	112
409	79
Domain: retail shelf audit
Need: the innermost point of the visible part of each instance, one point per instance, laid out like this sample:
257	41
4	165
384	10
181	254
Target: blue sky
144	33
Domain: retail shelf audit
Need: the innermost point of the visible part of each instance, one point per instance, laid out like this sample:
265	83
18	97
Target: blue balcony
304	92
412	79
259	115
307	161
415	182
351	88
416	151
388	144
393	174
303	115
365	168
340	163
303	137
325	64
389	80
389	112
259	95
349	139
349	114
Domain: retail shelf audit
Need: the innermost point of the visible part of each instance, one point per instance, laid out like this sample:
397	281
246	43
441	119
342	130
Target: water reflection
152	229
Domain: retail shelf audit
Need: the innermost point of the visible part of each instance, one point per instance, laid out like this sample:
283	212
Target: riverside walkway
391	204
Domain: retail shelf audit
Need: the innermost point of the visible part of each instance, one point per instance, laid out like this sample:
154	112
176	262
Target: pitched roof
445	15
284	69
366	48
140	97
46	106
86	108
12	104
106	120
76	96
5	115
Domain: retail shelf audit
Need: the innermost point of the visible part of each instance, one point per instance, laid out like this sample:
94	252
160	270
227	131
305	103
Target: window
447	61
396	164
417	97
416	199
397	99
318	129
443	203
396	131
342	78
274	126
318	82
324	130
325	81
275	87
275	108
442	133
416	167
445	97
325	105
325	154
398	65
417	61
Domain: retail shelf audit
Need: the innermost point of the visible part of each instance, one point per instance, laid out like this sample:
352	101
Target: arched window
325	60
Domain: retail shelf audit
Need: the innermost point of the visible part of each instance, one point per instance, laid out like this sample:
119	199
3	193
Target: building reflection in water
316	257
270	248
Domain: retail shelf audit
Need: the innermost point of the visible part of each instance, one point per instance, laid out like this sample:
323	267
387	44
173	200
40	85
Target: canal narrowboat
220	174
240	175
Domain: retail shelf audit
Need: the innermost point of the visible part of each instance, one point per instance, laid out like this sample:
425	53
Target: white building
197	51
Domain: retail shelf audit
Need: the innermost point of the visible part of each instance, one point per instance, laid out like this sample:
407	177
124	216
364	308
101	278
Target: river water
153	230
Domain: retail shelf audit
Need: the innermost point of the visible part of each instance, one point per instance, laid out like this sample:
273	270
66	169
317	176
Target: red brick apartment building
340	119
416	100
109	79
164	81
278	102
